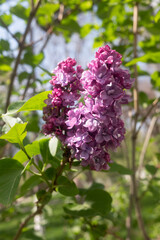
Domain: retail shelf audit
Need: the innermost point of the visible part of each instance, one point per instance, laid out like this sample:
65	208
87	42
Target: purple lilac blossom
93	128
66	86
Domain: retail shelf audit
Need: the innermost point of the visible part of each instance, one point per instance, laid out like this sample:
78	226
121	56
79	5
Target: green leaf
46	71
33	122
98	41
44	149
151	169
158	156
67	187
7	19
10	173
115	167
143	98
4	45
5	63
22	76
43	196
50	173
2	143
85	30
86	5
5	68
155	79
20	11
30	183
14	107
33	104
79	210
32	59
152	57
97	202
96	185
36	102
16	134
70	25
100	200
32	150
157	17
49	8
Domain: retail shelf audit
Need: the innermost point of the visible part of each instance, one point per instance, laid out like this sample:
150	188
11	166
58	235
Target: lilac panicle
66	85
90	129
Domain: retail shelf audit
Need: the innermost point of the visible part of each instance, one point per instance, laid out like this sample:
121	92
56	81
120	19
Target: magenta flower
92	128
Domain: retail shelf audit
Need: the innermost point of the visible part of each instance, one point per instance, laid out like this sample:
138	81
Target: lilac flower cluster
66	88
90	129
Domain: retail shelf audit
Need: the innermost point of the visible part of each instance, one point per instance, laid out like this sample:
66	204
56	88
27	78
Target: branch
134	193
135	33
22	42
154	104
129	217
23	224
48	33
61	12
145	145
27	86
6	27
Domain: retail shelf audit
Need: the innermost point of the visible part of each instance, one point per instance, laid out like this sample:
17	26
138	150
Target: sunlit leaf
7	19
16	134
33	104
32	150
15	106
157	17
20	11
153	57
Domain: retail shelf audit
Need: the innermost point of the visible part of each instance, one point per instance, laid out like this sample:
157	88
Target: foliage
60	199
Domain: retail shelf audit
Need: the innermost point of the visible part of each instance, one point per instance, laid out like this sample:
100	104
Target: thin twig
129	217
23	224
145	145
14	72
61	12
27	86
45	43
130	207
34	42
134	193
135	32
154	104
32	4
7	29
49	32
